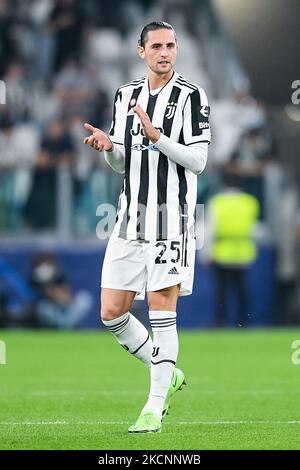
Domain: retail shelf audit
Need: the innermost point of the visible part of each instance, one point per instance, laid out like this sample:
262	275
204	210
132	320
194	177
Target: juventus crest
155	352
170	110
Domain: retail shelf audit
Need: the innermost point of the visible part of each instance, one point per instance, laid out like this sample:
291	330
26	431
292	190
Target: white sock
164	356
132	336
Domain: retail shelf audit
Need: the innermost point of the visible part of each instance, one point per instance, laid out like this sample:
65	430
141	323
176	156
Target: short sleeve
117	128
196	111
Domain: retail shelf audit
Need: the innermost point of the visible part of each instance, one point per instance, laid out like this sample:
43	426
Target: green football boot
147	422
177	382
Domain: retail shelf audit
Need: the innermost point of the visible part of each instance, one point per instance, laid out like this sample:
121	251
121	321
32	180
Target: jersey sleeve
117	128
196	126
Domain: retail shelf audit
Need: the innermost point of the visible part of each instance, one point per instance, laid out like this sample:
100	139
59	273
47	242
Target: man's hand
98	140
150	132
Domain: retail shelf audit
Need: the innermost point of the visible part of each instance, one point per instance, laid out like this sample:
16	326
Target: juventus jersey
158	197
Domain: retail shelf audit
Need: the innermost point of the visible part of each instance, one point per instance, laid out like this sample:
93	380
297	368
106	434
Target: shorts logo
155	352
203	125
173	271
171	108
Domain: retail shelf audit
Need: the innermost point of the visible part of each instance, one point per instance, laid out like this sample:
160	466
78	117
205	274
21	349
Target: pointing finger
89	127
138	110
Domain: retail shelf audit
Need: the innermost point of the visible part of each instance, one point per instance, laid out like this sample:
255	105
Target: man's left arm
192	157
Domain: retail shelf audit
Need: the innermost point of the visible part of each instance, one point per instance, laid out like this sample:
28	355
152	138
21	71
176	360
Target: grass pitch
82	391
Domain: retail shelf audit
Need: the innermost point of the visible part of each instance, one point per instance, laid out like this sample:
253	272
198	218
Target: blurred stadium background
60	64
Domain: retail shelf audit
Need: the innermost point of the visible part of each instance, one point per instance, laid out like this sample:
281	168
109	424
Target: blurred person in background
8	42
286	233
38	12
77	90
57	306
19	143
17	298
57	149
19	91
66	22
231	217
248	163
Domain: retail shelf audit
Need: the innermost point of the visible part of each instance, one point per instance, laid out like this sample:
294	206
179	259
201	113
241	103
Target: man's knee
165	299
159	302
111	312
115	303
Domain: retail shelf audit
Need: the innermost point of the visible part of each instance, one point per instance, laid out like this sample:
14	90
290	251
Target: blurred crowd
43	300
61	62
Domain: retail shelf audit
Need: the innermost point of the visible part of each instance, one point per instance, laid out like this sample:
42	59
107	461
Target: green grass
82	391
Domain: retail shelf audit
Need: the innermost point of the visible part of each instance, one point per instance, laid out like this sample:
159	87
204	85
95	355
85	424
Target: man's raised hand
149	130
98	140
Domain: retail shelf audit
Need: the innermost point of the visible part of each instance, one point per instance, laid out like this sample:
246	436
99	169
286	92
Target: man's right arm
116	158
111	144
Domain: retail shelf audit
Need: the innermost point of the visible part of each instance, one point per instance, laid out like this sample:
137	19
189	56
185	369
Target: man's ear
141	52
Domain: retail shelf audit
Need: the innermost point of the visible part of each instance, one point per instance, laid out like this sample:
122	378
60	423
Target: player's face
160	51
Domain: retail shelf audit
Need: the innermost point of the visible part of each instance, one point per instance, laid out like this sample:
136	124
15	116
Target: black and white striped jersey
158	197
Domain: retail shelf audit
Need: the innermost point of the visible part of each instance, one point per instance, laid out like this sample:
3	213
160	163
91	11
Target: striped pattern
144	177
185	83
158	197
164	360
162	174
118	327
164	322
184	249
133	83
127	184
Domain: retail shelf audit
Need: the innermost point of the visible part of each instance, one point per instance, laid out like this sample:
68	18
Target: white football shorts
140	266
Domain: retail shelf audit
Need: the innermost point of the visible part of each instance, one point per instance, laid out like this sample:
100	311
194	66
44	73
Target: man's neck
157	81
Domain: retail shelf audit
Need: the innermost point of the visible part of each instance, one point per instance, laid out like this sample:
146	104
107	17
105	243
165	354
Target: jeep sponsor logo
139	130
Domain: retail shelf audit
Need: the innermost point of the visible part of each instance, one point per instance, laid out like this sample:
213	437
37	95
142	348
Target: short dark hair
153	26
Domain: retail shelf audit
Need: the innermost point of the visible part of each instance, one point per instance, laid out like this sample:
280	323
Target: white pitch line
46	393
40	393
213	423
118	423
62	423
